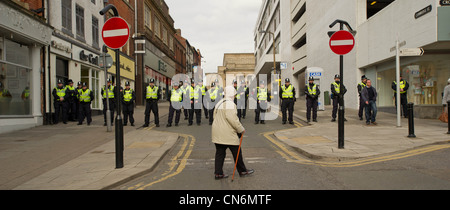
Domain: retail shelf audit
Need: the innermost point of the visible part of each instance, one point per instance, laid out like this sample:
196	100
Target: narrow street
190	166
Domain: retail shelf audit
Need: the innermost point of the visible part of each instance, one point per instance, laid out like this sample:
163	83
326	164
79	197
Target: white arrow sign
412	52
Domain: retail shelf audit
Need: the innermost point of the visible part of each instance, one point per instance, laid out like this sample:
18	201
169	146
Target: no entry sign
342	42
115	33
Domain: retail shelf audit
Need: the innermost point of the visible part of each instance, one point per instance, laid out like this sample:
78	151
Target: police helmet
287	80
127	83
60	81
311	79
79	83
337	76
152	80
84	84
213	84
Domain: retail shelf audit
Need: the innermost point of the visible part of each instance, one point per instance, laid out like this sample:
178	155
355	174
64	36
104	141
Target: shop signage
61	47
423	12
412	52
445	2
89	58
162	66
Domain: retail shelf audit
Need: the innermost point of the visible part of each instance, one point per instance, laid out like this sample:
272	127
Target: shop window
15	93
427	78
62	70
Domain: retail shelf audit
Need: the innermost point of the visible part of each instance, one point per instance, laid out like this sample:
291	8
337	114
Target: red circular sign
342	42
115	33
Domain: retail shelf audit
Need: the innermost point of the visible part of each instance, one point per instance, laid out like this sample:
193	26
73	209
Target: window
80	21
164	36
62	70
171	43
15	77
66	15
373	7
157	27
92	78
93	1
95	31
148	17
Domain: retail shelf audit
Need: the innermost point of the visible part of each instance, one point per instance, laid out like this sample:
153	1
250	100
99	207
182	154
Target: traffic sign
411	52
342	42
115	33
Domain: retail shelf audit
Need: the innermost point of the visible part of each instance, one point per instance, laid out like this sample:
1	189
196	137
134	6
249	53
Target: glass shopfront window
427	77
15	77
92	78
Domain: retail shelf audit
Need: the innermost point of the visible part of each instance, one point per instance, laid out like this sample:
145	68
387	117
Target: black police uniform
85	107
60	105
112	103
128	98
152	106
312	92
287	103
336	97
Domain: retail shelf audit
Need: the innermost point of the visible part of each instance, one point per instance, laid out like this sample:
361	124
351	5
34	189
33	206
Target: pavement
51	158
319	141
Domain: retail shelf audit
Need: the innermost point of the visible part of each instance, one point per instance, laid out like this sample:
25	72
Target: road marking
291	156
179	160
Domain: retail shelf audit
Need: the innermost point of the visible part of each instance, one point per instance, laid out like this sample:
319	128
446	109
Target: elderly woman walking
226	133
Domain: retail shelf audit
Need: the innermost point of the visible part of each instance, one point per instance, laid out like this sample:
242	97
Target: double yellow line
177	163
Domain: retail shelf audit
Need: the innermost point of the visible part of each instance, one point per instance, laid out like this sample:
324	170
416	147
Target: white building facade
76	46
416	24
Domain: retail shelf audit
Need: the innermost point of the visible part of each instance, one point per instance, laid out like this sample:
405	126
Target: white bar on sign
113	33
342	42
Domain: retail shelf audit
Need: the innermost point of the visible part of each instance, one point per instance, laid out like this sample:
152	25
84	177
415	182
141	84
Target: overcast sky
216	26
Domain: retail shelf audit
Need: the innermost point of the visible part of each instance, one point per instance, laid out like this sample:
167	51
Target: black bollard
411	120
448	116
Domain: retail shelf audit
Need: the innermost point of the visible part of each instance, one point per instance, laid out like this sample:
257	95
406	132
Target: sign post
342	43
115	34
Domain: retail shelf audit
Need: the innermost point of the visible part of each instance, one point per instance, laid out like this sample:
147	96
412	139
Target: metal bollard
411	120
448	115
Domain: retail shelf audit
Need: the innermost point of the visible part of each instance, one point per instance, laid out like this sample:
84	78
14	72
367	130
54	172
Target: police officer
262	97
186	104
242	97
203	89
72	101
78	90
153	94
362	103
61	96
404	86
336	95
212	97
198	101
288	100
312	93
128	99
111	98
176	98
85	98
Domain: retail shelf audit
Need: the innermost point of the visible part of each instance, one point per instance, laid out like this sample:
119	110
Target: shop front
127	69
22	41
427	77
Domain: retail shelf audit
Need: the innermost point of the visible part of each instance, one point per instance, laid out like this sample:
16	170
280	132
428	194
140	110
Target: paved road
190	166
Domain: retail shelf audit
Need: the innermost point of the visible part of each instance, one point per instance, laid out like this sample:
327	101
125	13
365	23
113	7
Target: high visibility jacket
128	95
176	96
402	86
191	92
312	91
213	93
152	93
110	92
238	96
203	90
197	90
262	94
61	93
287	92
85	96
337	87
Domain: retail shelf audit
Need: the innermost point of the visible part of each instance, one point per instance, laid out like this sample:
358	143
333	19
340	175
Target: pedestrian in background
226	133
446	97
369	96
362	103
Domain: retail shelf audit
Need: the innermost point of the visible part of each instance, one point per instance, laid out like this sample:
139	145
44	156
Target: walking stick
237	158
